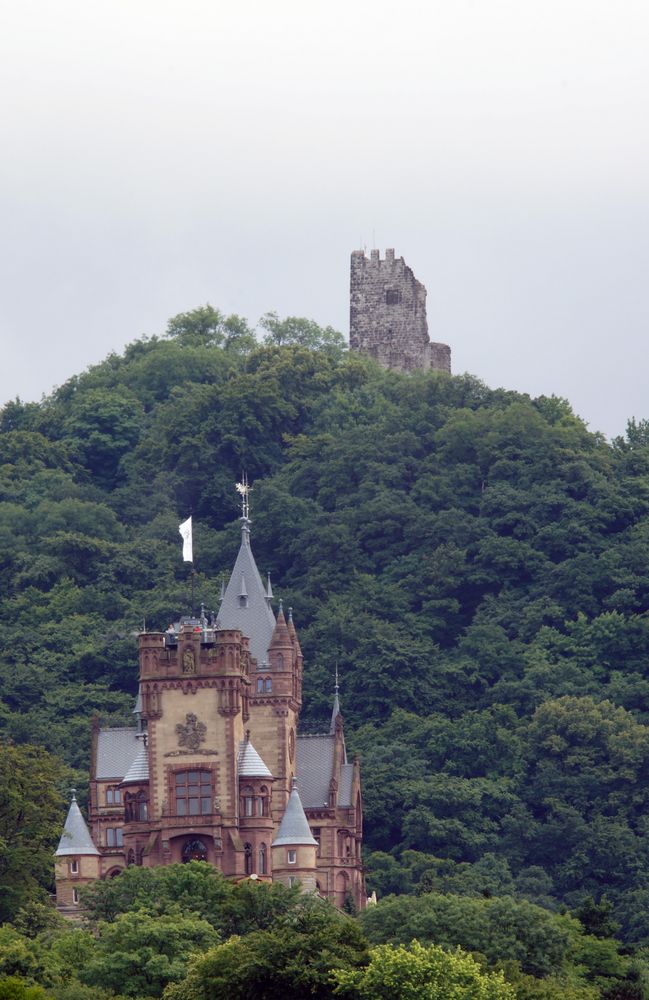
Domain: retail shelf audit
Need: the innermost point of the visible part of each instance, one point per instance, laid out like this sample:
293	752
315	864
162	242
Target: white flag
185	530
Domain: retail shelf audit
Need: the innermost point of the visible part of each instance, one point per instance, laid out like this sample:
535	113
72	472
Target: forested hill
475	561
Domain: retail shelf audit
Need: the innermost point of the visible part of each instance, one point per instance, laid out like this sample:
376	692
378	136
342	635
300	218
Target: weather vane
244	490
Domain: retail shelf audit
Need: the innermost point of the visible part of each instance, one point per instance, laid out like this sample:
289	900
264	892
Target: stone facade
388	315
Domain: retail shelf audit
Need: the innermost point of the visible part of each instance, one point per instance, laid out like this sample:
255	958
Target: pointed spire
244	600
222	594
75	838
281	634
336	706
294	828
269	589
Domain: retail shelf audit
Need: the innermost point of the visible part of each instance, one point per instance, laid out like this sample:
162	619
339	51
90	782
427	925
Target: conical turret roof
138	772
294	828
250	763
75	838
244	604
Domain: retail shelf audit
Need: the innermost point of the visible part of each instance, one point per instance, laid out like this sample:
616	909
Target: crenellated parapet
388	315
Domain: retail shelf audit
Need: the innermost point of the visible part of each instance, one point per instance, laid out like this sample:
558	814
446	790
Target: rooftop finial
244	491
290	614
269	589
294	783
73	795
281	606
336	686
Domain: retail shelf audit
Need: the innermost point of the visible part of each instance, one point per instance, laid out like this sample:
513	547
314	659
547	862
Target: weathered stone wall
388	315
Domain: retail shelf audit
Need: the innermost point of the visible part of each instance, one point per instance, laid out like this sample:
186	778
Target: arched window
263	801
260	684
247	851
141	809
194	850
268	685
262	860
193	793
131	857
248	801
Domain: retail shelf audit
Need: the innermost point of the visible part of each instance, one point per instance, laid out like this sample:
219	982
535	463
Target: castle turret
77	861
294	848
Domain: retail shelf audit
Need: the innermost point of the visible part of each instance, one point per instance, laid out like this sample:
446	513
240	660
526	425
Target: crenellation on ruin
388	315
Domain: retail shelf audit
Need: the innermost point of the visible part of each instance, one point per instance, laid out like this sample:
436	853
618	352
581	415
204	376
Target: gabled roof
315	769
294	828
245	604
138	772
250	763
75	838
116	750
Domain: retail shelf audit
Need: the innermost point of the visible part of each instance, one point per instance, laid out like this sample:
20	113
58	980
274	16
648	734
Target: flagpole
185	530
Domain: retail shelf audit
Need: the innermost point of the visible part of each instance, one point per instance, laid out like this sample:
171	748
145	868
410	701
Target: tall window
114	836
193	793
74	867
75	895
254	804
291	857
247	851
113	796
135	807
262	859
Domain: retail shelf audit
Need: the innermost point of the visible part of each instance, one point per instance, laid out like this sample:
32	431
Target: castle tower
388	315
294	848
77	861
276	667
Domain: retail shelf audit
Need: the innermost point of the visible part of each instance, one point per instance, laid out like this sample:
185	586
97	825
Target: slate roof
314	768
75	838
314	771
139	769
255	619
116	750
250	763
345	785
294	828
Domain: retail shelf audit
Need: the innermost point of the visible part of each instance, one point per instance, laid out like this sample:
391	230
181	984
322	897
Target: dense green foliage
475	561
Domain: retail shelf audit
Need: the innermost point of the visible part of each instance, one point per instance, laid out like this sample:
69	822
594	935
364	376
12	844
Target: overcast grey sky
159	154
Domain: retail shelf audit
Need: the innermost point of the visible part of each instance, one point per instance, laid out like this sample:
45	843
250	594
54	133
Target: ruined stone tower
388	315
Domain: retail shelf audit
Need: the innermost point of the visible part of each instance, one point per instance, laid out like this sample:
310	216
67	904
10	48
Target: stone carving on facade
192	734
189	663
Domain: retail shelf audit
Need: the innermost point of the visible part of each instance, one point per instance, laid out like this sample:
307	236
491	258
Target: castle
214	769
388	315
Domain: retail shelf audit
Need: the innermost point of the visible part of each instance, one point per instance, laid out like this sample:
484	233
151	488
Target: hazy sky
160	155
